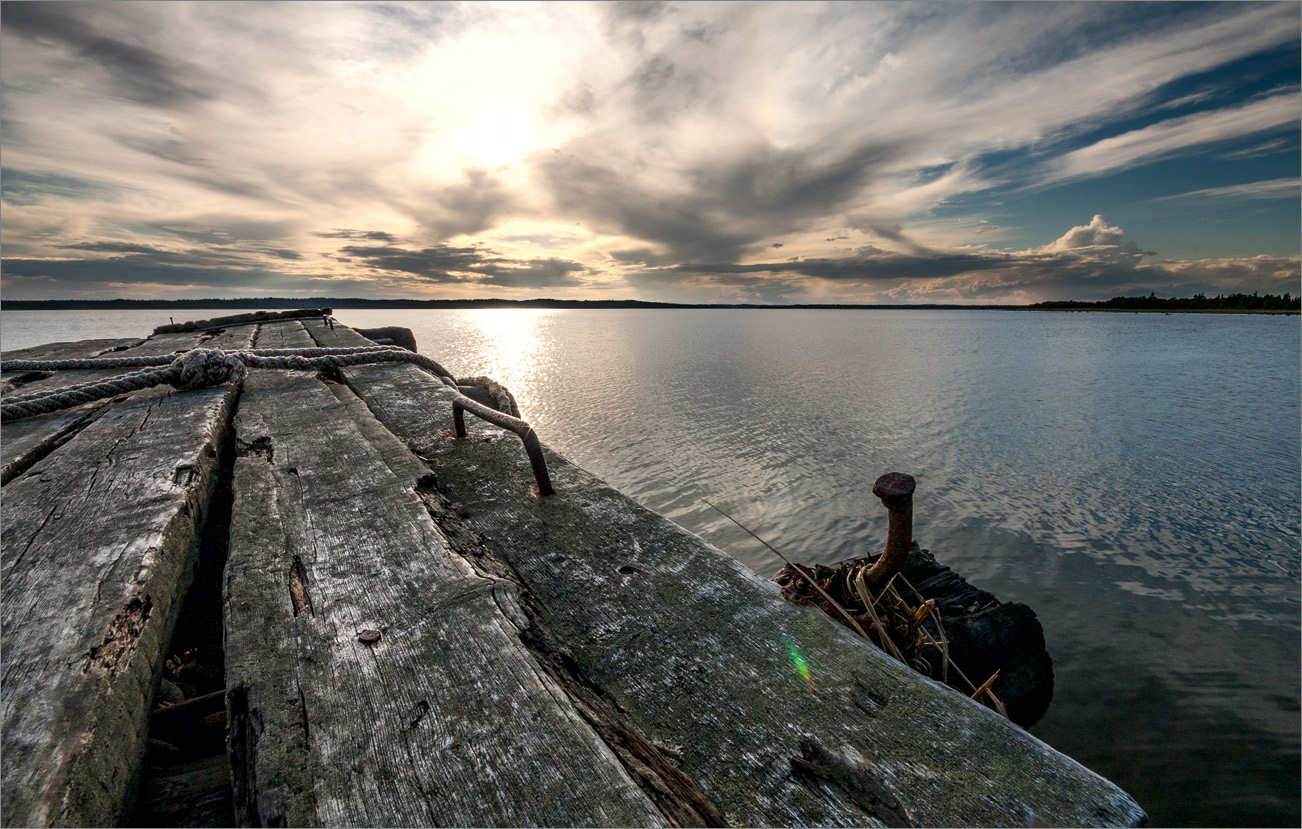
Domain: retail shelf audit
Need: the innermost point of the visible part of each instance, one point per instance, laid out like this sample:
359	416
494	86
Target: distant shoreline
393	304
356	303
1258	312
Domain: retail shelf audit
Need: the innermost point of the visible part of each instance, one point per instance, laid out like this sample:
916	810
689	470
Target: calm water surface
1133	478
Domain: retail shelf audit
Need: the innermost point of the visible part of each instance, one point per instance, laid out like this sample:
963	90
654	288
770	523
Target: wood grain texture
72	349
373	677
99	542
26	441
698	652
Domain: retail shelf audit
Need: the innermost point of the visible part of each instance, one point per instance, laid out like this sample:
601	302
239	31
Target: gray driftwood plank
373	677
71	349
26	441
99	541
701	654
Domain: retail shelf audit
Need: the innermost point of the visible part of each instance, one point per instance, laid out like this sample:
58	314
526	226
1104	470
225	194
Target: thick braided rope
198	368
500	394
124	382
167	359
30	405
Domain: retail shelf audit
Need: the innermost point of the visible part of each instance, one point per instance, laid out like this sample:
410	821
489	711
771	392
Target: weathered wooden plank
373	677
781	716
99	541
253	317
72	349
287	334
26	441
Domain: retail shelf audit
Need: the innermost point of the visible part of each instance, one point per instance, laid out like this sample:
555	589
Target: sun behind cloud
499	132
683	151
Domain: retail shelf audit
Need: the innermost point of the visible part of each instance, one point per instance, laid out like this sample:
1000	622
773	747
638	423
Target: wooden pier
411	634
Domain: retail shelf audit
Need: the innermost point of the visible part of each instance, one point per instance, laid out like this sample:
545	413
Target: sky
849	152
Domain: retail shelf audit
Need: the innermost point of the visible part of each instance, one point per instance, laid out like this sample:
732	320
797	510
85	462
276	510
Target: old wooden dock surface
414	636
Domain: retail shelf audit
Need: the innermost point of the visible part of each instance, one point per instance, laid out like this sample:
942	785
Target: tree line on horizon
1197	302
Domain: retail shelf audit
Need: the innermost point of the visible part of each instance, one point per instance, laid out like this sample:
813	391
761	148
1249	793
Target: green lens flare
796	659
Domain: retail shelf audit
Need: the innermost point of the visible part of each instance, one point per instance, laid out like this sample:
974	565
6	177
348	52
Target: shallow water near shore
1133	478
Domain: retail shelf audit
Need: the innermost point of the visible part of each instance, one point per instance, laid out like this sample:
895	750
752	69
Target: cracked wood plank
696	650
373	677
99	543
71	349
27	441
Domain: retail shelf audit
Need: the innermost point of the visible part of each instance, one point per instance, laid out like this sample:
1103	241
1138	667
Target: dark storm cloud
224	230
731	205
868	265
137	73
161	269
368	235
643	256
891	231
886	230
470	206
110	247
1096	254
228	265
446	264
1095	272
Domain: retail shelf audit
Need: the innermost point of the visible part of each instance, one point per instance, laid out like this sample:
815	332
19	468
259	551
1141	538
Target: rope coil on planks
205	367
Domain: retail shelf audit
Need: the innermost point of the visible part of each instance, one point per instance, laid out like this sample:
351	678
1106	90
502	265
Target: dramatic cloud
1278	188
445	264
648	150
133	71
1094	260
1162	139
1093	235
368	235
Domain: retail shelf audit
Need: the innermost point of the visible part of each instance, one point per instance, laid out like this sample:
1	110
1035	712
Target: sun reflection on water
517	343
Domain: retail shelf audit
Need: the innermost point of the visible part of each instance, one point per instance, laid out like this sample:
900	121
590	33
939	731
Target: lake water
1133	478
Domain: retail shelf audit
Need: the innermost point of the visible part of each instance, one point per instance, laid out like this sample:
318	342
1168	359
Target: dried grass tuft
900	627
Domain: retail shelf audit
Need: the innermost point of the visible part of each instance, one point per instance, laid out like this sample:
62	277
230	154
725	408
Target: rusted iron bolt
896	491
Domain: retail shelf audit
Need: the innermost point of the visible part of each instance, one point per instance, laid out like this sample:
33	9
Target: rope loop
201	368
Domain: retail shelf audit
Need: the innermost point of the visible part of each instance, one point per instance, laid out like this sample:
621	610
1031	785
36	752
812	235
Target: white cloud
693	130
1095	234
1276	188
1174	134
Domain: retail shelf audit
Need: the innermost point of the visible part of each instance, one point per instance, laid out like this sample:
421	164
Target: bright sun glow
499	132
519	346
